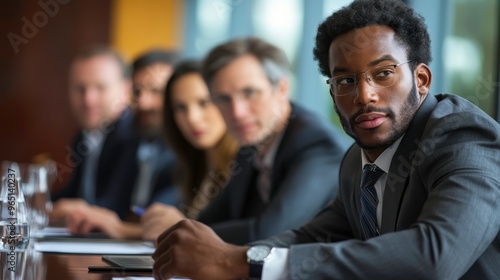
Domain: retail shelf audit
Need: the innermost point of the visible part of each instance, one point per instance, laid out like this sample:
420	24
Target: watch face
258	253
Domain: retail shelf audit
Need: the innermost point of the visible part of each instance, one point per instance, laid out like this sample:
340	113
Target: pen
138	210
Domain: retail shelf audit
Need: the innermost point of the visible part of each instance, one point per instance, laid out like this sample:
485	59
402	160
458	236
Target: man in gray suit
419	190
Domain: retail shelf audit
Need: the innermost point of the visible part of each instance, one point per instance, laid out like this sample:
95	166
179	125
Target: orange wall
137	26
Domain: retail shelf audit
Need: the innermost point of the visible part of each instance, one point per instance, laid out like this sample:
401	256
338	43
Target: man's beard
400	122
147	131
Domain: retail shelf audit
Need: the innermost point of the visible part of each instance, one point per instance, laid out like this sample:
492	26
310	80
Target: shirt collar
270	155
266	160
385	158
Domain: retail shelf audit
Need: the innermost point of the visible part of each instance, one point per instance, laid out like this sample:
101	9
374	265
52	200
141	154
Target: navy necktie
369	200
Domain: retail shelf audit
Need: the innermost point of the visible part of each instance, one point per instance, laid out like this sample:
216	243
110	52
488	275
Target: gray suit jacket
441	211
304	179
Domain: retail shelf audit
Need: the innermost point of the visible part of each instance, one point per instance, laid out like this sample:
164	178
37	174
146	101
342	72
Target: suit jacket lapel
354	178
401	165
284	148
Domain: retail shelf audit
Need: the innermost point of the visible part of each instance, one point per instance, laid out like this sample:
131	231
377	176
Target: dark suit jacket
441	209
116	167
304	178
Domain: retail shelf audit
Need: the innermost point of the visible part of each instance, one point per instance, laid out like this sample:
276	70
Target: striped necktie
369	200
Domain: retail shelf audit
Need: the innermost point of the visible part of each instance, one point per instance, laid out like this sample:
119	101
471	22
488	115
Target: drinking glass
14	226
36	193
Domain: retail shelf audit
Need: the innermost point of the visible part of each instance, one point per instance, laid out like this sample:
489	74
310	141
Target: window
465	55
470	52
464	36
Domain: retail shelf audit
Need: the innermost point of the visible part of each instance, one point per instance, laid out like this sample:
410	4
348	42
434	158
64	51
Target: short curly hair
408	26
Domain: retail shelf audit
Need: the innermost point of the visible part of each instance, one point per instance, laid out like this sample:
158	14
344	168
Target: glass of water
36	193
14	227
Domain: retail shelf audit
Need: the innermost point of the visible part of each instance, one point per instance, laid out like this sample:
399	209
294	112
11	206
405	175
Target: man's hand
192	249
158	218
65	206
94	218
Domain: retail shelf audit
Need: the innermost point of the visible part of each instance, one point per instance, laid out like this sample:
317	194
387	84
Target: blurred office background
39	39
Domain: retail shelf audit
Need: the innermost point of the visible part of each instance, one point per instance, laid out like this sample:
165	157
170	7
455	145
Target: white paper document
94	246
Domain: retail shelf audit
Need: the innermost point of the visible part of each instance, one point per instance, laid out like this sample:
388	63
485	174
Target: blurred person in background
155	160
204	147
99	95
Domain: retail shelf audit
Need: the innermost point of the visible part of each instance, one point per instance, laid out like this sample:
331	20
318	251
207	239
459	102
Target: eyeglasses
378	77
248	94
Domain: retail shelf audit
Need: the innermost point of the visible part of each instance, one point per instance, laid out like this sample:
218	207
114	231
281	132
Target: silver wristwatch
256	257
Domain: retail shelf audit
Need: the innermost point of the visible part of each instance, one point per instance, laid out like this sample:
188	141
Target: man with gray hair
287	167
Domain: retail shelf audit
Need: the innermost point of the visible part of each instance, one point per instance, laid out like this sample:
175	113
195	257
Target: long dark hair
193	167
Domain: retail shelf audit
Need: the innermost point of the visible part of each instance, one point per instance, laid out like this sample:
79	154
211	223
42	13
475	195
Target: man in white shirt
419	190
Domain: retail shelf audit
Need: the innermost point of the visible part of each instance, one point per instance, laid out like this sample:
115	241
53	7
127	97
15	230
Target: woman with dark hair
196	132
